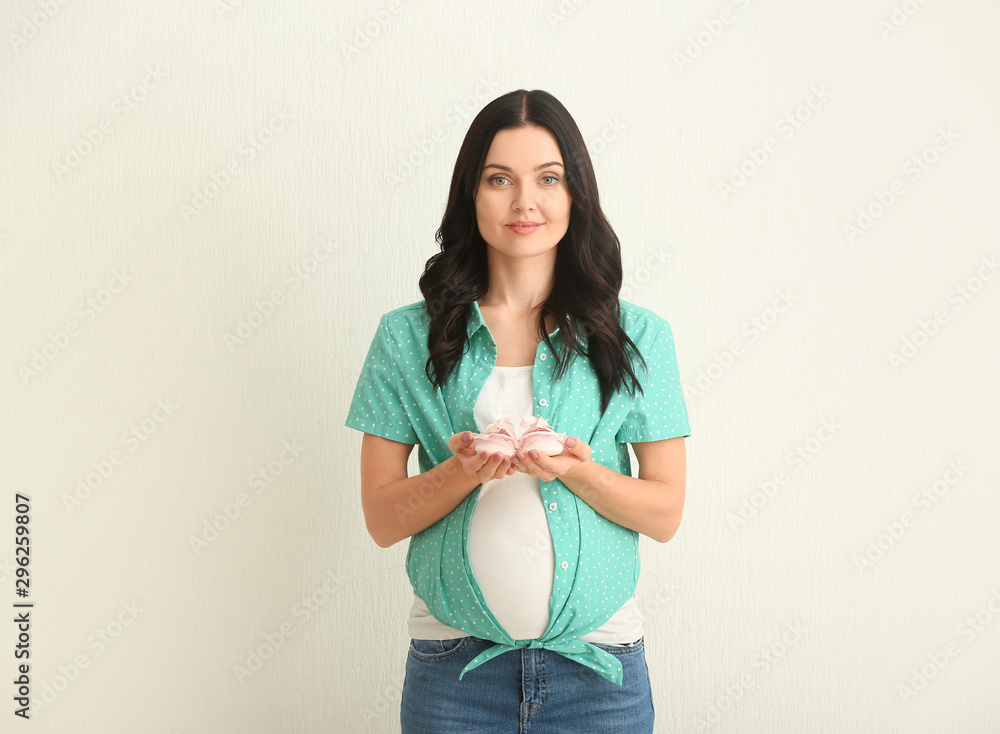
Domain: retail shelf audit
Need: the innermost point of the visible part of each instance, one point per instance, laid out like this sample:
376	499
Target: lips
524	227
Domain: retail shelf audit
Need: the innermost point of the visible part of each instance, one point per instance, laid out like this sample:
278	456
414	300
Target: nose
524	199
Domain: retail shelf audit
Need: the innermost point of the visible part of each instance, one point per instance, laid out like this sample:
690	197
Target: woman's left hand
575	452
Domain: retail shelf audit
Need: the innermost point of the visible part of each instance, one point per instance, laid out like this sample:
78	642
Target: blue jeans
521	691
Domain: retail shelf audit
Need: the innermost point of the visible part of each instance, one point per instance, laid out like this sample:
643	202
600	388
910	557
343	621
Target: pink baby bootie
497	438
538	435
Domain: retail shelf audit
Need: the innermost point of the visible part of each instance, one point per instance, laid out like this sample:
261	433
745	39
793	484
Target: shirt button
552	505
542	356
543	402
564	565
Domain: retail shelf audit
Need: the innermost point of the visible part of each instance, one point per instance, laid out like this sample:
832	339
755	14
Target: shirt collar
476	320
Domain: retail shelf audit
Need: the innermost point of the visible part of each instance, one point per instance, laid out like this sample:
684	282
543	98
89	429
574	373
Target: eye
494	178
555	179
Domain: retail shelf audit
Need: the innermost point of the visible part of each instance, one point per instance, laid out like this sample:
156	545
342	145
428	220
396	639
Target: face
523	180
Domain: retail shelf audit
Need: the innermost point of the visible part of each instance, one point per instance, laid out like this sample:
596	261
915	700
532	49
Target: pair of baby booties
538	435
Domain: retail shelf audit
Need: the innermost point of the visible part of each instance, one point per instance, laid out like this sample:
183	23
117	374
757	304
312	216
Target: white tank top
510	545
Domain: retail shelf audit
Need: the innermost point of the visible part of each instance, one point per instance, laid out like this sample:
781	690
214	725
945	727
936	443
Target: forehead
523	148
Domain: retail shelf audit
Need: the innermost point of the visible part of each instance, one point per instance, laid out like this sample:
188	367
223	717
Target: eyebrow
511	170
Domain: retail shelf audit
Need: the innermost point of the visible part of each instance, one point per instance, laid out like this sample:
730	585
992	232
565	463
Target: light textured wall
206	206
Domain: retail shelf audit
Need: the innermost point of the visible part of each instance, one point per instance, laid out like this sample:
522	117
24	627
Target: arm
397	506
651	504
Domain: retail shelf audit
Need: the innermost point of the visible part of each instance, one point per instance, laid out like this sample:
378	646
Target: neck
520	294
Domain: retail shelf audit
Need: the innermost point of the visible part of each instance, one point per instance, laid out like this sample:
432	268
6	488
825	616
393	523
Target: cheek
565	204
564	216
487	207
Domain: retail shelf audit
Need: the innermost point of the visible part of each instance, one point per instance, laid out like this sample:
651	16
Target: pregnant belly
510	550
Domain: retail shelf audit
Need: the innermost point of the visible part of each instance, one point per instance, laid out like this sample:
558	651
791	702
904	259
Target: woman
523	564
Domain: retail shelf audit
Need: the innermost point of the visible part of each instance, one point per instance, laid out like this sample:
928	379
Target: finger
474	463
529	464
469	451
577	448
538	465
460	441
491	463
547	466
502	463
526	469
544	464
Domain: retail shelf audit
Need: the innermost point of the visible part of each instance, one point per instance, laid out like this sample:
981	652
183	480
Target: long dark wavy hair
588	266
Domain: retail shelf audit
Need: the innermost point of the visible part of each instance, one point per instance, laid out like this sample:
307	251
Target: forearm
405	507
650	507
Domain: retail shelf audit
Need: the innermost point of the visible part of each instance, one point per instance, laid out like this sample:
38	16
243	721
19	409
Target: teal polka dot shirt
597	560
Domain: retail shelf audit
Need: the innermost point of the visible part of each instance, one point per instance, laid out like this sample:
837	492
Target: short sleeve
377	405
660	411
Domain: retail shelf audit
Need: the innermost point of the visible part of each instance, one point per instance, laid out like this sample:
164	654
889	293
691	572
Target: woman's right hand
481	465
